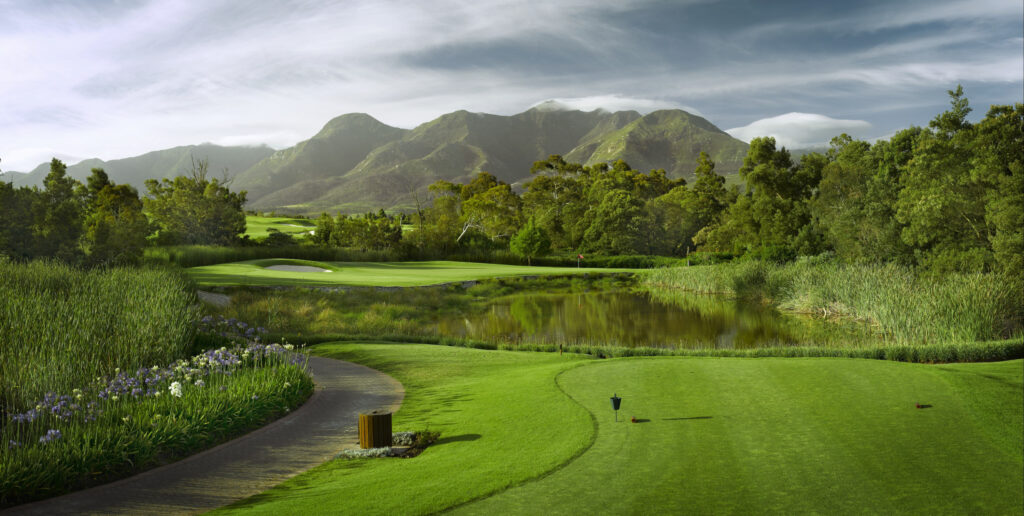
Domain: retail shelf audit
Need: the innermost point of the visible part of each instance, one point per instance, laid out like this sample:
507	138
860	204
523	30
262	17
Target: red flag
580	256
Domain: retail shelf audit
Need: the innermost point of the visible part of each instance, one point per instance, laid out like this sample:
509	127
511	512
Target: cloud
28	158
115	79
612	103
800	130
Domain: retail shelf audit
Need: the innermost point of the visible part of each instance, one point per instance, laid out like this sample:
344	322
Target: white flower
113	398
289	347
287	384
200	383
175	389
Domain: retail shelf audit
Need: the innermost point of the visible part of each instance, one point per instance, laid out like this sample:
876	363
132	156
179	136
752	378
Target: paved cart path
309	436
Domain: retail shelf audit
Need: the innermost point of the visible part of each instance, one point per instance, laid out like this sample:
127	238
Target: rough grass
382	274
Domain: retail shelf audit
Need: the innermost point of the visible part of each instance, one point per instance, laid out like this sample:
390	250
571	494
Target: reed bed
902	306
97	384
61	327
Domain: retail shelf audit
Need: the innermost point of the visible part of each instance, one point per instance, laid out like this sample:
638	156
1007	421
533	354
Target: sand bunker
296	268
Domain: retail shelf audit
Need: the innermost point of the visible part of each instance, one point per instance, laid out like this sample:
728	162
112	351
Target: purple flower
51	435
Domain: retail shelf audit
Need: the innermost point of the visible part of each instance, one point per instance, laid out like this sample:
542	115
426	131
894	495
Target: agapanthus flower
51	435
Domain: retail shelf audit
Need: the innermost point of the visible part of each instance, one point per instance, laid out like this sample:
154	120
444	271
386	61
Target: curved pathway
309	436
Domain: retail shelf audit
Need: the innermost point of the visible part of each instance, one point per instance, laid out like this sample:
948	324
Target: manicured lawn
789	436
378	274
778	435
502	420
256	227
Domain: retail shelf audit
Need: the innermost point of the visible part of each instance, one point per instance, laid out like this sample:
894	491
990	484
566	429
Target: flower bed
134	420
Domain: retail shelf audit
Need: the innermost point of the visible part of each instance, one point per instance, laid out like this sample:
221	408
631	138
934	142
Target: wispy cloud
112	79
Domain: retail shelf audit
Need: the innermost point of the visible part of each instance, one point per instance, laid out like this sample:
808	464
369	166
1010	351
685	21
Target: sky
118	78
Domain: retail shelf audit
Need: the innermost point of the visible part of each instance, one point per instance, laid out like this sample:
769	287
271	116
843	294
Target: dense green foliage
945	198
101	223
60	327
902	305
531	241
195	209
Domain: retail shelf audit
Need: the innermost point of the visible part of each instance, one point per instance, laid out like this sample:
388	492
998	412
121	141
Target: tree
942	204
193	209
497	211
772	217
17	218
531	241
115	228
999	162
59	215
324	229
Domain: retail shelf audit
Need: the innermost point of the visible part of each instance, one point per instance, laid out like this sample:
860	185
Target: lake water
642	319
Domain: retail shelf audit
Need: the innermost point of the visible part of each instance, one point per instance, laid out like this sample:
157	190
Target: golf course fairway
367	274
528	433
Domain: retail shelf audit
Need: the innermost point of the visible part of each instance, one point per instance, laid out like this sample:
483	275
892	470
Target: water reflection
640	319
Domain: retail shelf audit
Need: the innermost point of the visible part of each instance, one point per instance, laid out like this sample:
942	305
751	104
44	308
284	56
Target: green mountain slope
159	164
341	145
458	145
668	139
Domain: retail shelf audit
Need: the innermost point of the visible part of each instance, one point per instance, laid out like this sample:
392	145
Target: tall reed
61	327
902	305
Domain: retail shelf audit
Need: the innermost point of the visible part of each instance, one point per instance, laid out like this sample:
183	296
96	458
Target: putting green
258	227
376	274
716	435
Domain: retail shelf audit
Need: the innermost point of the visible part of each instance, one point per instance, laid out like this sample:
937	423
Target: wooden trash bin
375	429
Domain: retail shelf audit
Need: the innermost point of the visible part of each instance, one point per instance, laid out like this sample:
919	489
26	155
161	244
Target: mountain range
357	164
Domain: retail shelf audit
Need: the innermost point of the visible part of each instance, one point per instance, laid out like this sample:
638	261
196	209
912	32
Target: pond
633	319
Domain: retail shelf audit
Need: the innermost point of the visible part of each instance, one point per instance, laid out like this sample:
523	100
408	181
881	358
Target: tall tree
59	215
194	209
941	204
530	242
115	228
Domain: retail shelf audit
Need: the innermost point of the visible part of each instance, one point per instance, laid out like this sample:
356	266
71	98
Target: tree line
101	223
948	197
